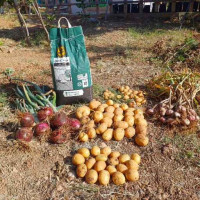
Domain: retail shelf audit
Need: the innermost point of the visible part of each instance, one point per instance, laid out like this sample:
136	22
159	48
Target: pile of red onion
173	115
54	126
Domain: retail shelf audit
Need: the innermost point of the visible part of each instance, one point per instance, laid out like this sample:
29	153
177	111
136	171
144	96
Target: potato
91	132
114	154
118	178
101	157
108	114
106	151
132	175
81	170
78	159
110	109
121	168
108	121
82	112
104	177
132	104
123	158
110	102
95	150
90	163
130	110
113	161
84	120
129	120
116	105
104	105
121	89
141	140
124	106
84	152
129	132
138	111
98	116
129	114
141	130
94	104
121	124
90	124
131	164
118	134
118	111
111	169
101	128
99	165
118	118
136	157
100	108
138	116
83	137
141	122
108	134
91	176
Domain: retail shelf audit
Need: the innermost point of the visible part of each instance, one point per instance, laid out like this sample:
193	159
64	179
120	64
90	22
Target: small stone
71	176
103	145
15	170
59	188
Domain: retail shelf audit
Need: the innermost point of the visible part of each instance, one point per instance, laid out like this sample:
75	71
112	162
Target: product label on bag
62	72
73	93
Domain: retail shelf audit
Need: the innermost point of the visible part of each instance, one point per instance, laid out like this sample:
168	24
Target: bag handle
68	23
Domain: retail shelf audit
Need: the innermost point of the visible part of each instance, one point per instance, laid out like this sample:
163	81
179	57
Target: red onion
44	113
58	137
74	123
150	111
162	119
42	129
58	120
170	120
27	120
169	112
191	117
24	134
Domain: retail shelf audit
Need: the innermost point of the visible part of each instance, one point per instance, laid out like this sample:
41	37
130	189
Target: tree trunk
35	5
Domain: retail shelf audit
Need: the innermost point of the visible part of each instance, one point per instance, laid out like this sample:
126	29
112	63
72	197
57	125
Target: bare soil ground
119	53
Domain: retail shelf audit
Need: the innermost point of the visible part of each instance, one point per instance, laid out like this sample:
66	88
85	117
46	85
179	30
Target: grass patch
3	99
98	91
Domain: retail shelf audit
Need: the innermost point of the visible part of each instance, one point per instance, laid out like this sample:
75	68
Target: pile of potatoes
112	120
127	94
102	165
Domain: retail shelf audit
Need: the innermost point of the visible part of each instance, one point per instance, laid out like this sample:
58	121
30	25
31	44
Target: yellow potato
90	124
132	175
114	154
82	112
136	157
126	97
131	164
132	104
141	122
110	109
108	114
138	116
83	137
124	106
111	169
118	134
85	120
140	129
121	168
99	165
78	159
101	128
94	104
100	108
118	178
95	150
141	140
121	89
129	120
104	177
129	113
116	105
123	158
98	116
138	111
90	163
108	134
118	118
84	152
101	157
106	151
108	121
113	161
81	170
118	111
129	132
119	96
121	124
91	176
110	102
91	132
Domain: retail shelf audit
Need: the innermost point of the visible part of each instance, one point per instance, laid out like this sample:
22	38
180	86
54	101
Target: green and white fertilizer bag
70	65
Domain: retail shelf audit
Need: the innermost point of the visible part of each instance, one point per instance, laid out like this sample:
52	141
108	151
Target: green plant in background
1	43
3	98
